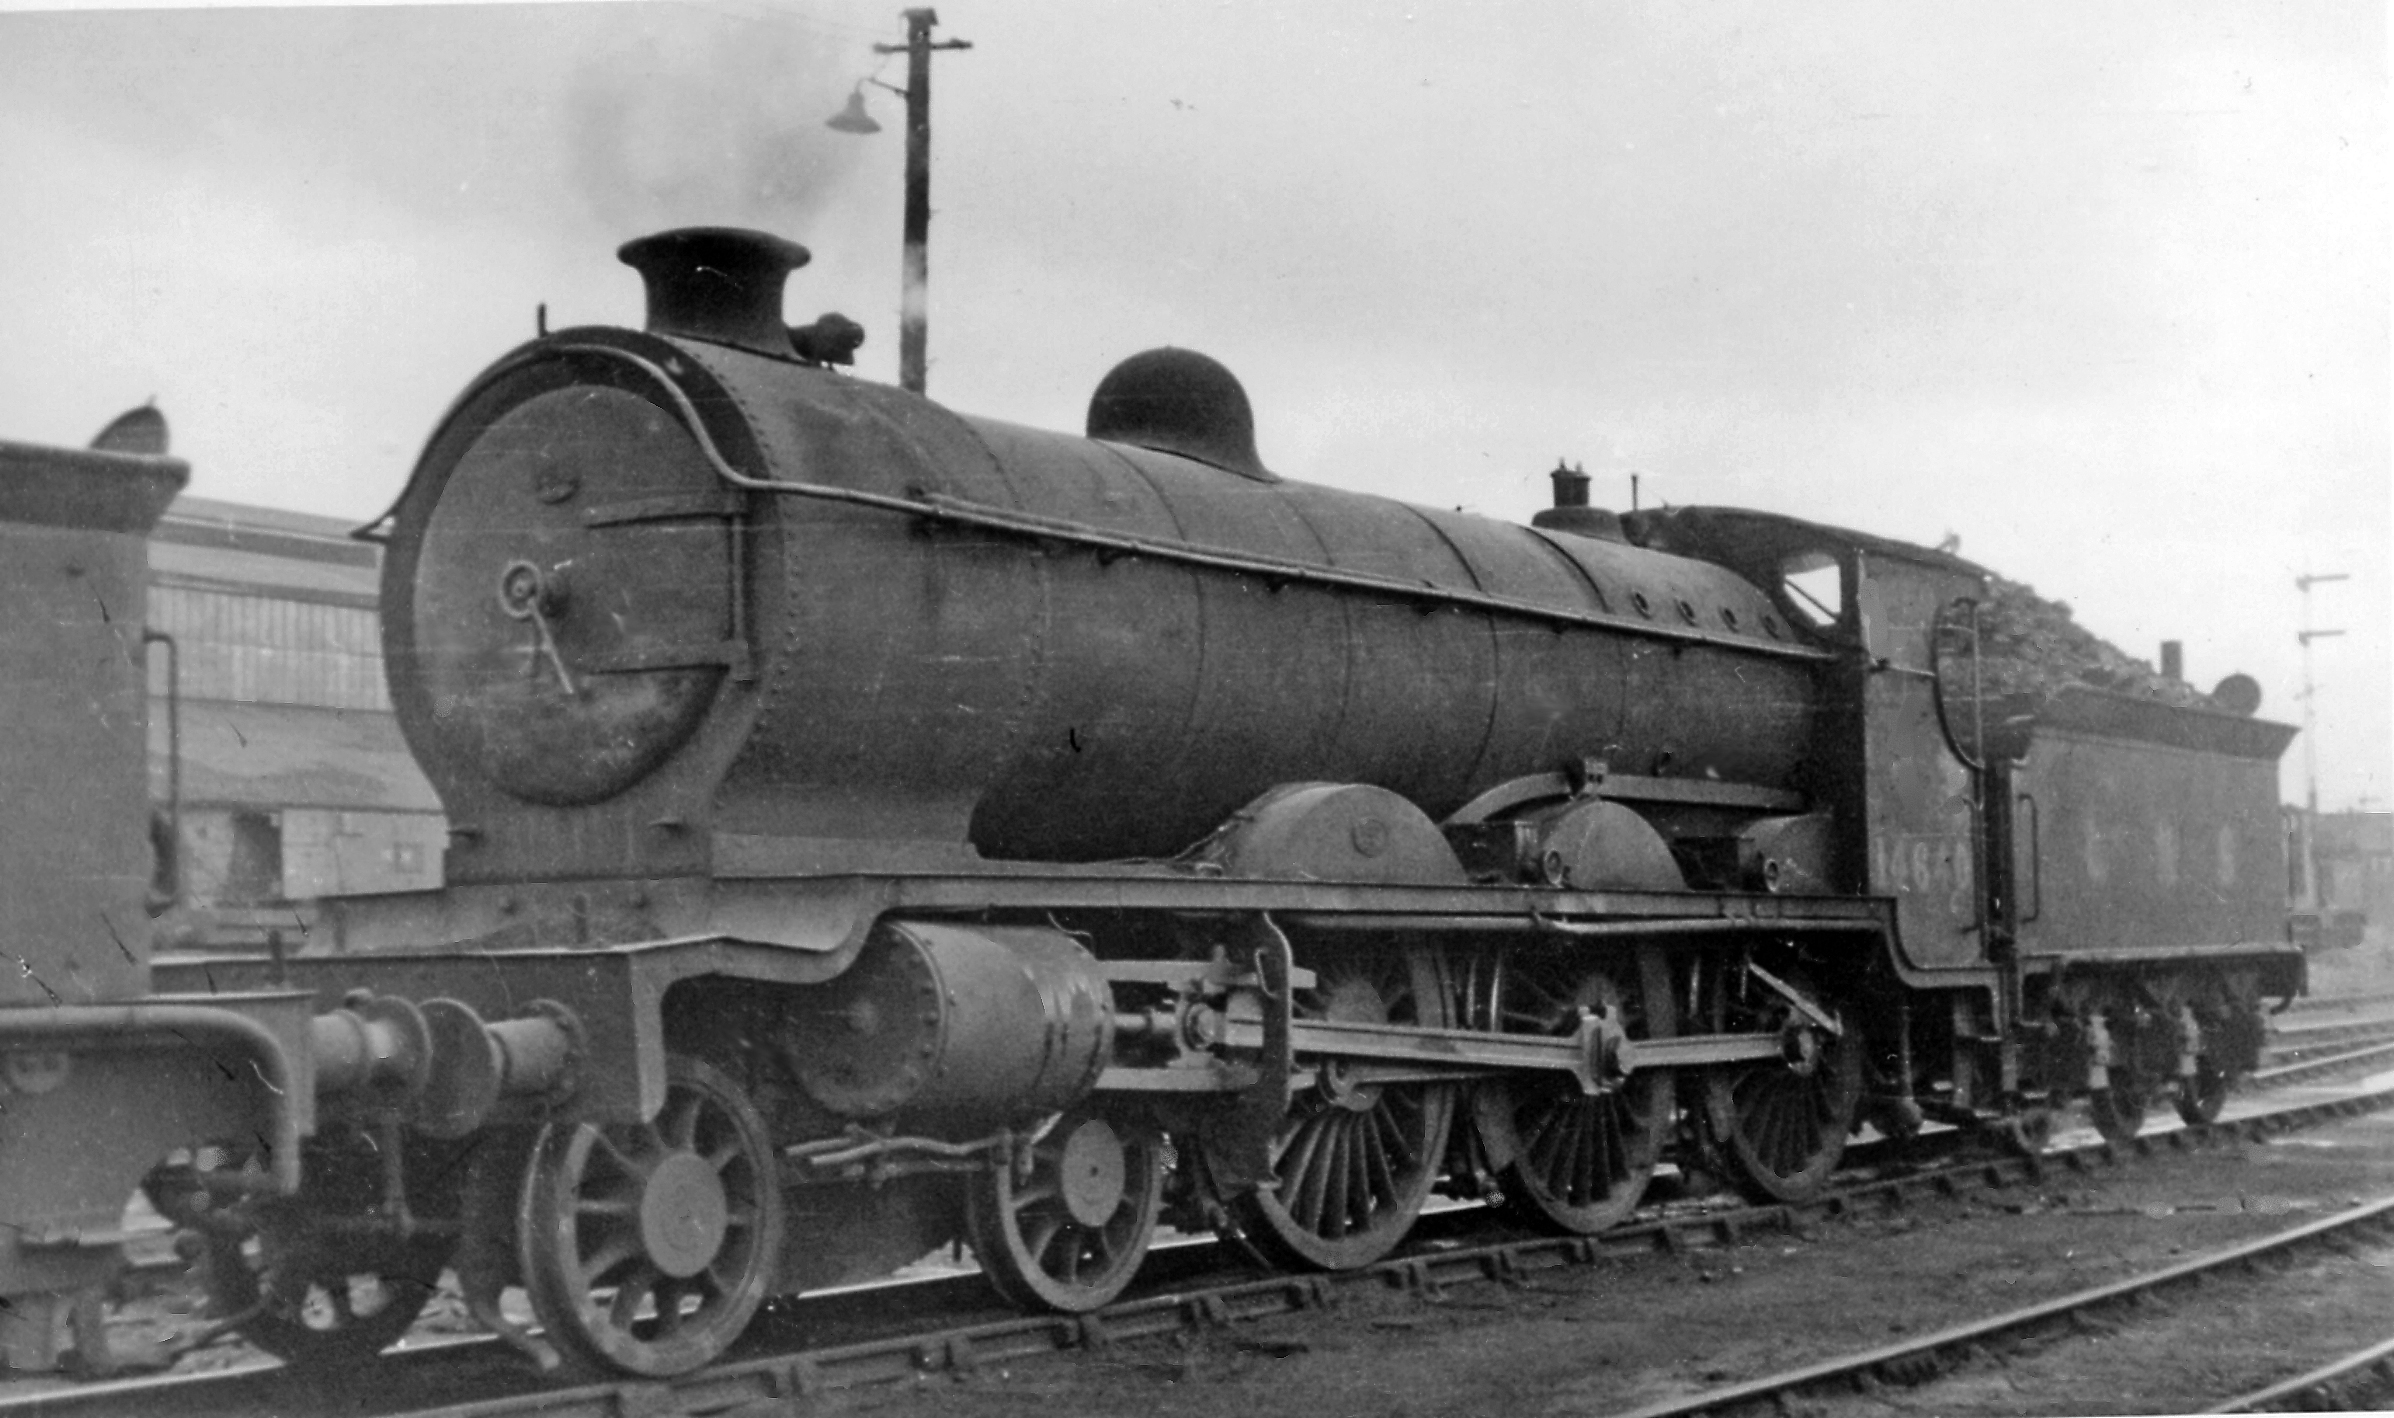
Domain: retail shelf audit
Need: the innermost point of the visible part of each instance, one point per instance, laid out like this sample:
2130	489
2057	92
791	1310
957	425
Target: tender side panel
2123	844
74	846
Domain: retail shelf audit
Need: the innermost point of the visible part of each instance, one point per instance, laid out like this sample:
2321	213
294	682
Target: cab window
1812	587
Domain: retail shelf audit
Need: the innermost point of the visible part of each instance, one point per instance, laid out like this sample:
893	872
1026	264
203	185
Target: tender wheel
1068	1231
1357	1155
1576	1164
1780	1127
315	1297
320	1303
2201	1098
2118	1111
648	1248
2026	1133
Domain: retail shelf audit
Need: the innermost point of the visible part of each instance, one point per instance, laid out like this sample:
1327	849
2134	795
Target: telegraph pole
914	296
2306	635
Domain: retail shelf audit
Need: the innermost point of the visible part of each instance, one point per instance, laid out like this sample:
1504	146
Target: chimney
2173	660
1571	512
718	284
1570	484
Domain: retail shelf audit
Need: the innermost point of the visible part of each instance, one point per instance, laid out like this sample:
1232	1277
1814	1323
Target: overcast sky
2100	289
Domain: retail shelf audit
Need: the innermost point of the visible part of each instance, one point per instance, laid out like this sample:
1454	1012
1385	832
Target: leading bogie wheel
1780	1126
1065	1225
647	1248
1573	1163
1359	1151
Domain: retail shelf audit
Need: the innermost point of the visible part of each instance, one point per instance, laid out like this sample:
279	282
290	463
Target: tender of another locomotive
99	1076
873	827
113	1077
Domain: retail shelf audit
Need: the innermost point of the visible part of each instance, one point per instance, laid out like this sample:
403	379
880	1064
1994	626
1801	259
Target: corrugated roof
262	574
237	516
280	755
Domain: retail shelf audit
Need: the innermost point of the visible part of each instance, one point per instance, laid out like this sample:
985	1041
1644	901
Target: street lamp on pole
913	312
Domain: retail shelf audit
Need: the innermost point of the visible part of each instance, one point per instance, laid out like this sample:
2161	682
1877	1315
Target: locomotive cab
1891	771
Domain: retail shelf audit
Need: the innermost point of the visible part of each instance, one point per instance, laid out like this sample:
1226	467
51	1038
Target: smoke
722	124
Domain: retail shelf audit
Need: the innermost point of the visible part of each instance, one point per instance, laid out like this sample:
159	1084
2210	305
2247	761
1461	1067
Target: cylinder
946	1024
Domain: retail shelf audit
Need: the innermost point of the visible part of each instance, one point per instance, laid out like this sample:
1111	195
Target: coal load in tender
2030	650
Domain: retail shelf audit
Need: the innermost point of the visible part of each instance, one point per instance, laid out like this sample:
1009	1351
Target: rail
1899	1362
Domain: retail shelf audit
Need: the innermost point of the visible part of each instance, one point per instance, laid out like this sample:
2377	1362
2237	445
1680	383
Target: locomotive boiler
874	827
648	578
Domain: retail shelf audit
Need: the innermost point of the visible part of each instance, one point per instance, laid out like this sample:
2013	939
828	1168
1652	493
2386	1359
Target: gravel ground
1614	1336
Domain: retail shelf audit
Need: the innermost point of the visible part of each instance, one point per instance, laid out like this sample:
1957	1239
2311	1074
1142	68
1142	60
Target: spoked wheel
2201	1097
322	1301
316	1297
2118	1112
1780	1126
1068	1230
1572	1163
2025	1133
647	1248
1357	1155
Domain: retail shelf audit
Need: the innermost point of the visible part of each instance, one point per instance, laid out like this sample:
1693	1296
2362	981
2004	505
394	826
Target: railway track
2359	1380
2303	1051
1918	1361
2350	999
2295	1036
880	1337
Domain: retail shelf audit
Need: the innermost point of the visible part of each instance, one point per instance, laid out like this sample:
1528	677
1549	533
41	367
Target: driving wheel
1780	1126
1359	1150
646	1248
1570	1162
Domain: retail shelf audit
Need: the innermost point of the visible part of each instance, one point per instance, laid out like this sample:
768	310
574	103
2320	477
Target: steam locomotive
873	827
